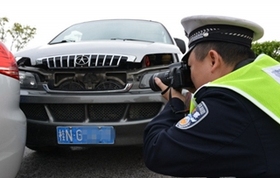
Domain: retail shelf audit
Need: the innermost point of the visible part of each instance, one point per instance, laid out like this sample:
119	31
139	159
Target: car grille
84	61
91	112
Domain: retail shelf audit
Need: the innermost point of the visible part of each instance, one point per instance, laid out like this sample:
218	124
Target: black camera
177	77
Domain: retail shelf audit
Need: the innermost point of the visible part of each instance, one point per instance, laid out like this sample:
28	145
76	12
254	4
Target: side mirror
181	44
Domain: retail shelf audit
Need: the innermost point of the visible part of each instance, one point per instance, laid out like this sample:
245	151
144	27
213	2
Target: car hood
137	49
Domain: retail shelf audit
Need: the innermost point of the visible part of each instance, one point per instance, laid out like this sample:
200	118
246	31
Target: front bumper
128	113
44	135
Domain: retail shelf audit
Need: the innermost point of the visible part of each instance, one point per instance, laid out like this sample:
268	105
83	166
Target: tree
3	31
20	34
271	48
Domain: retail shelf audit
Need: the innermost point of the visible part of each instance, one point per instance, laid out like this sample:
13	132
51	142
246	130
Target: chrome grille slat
119	60
96	60
104	60
111	60
68	60
89	61
86	61
75	60
54	61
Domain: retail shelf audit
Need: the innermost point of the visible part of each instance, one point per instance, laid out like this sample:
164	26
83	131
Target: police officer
232	127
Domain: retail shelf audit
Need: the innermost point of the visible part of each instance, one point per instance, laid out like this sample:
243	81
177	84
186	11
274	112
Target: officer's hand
174	93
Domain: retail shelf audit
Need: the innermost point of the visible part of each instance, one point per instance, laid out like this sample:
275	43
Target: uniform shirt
226	136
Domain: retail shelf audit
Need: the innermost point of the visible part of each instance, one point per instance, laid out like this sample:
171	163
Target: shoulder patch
198	114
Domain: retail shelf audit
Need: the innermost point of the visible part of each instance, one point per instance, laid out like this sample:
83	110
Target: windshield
115	30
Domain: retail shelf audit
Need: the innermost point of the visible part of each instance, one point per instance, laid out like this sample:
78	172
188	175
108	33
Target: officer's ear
215	60
218	66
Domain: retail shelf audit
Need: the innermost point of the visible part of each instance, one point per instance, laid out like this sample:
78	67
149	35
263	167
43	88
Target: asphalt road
98	162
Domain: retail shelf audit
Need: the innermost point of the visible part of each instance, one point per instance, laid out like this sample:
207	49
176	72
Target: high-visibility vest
258	81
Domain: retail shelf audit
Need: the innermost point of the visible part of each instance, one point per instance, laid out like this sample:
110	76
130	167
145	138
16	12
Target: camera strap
171	105
164	91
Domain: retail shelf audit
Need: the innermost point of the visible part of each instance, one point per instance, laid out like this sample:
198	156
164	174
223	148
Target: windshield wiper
131	39
63	41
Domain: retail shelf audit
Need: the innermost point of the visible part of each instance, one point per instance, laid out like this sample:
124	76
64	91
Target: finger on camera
159	83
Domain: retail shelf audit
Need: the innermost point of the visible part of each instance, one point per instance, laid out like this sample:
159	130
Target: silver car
90	84
12	119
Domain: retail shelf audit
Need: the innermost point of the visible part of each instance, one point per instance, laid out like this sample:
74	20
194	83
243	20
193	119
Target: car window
115	30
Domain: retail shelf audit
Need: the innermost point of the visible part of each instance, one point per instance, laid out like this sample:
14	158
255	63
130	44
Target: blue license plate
77	135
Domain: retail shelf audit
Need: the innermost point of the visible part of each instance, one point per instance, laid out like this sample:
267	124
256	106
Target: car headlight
27	80
144	82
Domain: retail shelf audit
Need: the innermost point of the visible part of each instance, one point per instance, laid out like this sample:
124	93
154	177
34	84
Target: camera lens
165	78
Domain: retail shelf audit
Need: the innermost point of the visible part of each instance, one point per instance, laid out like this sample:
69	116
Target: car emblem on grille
82	60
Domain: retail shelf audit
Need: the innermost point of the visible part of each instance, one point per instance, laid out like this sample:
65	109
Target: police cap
204	28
